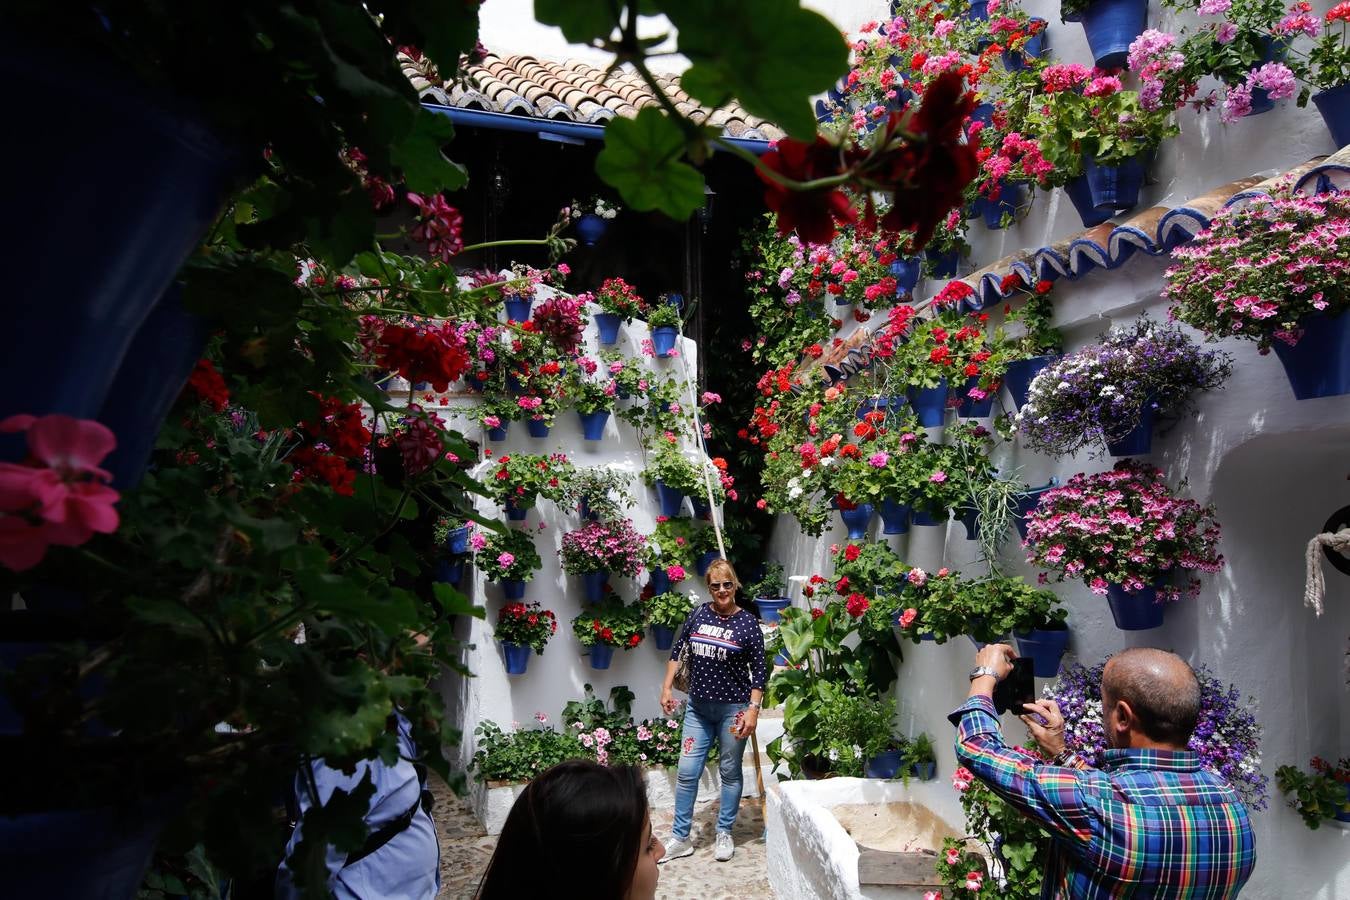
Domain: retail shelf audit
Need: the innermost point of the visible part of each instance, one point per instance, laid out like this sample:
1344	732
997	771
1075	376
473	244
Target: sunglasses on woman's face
721	585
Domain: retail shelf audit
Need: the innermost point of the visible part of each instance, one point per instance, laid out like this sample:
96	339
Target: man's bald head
1160	688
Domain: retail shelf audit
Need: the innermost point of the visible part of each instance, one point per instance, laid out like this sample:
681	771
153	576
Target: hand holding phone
1018	689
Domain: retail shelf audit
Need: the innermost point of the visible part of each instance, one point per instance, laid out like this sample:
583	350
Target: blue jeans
702	722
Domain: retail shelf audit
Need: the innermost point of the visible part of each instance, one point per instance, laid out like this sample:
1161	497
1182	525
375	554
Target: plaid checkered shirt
1149	823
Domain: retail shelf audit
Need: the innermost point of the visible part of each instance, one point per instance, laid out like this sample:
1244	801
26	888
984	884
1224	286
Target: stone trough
853	838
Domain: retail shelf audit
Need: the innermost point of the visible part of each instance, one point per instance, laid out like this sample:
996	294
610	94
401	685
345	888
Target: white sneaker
676	848
724	849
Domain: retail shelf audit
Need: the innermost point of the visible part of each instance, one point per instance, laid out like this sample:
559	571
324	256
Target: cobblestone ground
465	851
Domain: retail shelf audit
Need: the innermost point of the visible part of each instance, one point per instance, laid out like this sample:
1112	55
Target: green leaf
581	21
641	160
425	168
166	612
343	596
456	604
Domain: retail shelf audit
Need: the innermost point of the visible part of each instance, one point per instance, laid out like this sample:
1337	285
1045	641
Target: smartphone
1017	689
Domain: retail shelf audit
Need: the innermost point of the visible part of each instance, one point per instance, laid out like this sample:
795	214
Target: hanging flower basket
593	424
663	637
857	518
906	272
518	308
601	656
704	561
591	228
671	500
972	407
1138	440
513	588
1111	26
663	339
538	428
943	263
608	326
1019	375
517	658
1032	48
1080	195
593	583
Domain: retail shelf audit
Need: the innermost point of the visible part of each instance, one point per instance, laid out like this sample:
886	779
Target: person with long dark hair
578	830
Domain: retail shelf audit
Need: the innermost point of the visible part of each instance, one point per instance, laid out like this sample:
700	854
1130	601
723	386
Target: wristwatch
983	670
752	705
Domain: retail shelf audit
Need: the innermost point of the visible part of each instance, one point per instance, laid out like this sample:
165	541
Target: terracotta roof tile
570	89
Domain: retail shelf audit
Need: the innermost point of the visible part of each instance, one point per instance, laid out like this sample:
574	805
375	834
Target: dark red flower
812	214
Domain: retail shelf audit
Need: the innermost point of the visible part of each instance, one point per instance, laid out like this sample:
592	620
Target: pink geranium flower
962	779
59	496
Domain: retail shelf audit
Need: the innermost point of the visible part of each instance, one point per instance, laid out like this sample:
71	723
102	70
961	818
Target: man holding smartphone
1151	822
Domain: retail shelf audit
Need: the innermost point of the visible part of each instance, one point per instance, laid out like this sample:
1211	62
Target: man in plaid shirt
1151	822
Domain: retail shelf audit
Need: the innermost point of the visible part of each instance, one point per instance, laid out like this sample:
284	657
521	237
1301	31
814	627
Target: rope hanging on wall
1334	543
702	448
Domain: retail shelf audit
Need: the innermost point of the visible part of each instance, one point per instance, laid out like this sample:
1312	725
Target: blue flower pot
1134	612
585	512
906	271
663	339
970	518
513	588
924	771
983	113
780	659
516	512
593	424
1010	198
663	637
704	561
922	516
883	765
979	11
1270	51
930	404
1016	60
659	581
671	500
702	508
593	583
537	428
518	309
971	408
1080	195
449	571
1020	374
498	433
457	541
1334	105
770	608
675	300
591	228
601	656
1023	506
517	658
1343	814
943	264
148	179
880	404
857	520
1111	26
514	385
608	326
1319	364
1045	646
894	516
1114	187
1140	439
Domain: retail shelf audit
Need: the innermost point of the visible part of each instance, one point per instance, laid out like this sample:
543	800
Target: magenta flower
879	459
938	477
505	559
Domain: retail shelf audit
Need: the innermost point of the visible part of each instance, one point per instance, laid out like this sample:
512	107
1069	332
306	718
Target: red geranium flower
812	214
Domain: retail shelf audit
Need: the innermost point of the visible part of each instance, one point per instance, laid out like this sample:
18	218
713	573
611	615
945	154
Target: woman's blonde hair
717	565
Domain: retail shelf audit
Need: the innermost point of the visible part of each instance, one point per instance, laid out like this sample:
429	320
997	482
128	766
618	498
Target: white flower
857	752
834	755
794	492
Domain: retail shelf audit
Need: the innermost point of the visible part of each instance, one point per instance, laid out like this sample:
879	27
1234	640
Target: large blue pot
1114	187
771	608
1024	505
1080	195
663	637
131	168
1140	438
457	541
906	271
518	309
857	520
1045	646
663	339
449	571
659	581
1134	612
157	365
1319	364
608	326
537	428
1334	105
1111	26
1016	60
498	433
894	516
1010	198
923	516
593	424
929	404
943	264
970	408
704	561
515	511
517	658
591	228
513	588
593	583
601	656
1020	374
670	499
883	765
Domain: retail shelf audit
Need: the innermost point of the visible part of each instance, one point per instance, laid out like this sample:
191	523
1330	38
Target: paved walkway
465	851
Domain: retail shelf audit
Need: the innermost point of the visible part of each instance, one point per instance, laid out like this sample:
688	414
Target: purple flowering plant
1260	270
1099	393
1227	736
612	546
1124	527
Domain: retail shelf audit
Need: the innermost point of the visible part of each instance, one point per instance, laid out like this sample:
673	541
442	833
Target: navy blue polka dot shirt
726	655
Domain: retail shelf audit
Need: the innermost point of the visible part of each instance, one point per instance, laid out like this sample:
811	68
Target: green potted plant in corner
1322	795
521	628
919	758
770	592
664	321
509	558
666	614
855	732
611	624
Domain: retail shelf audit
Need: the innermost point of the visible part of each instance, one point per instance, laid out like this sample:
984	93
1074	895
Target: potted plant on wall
521	628
666	613
664	321
592	399
705	549
919	758
610	625
598	493
519	479
1112	391
855	733
1324	794
1293	301
672	474
1039	342
619	303
670	552
600	549
1093	529
544	390
507	557
770	592
1110	26
1325	68
592	218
